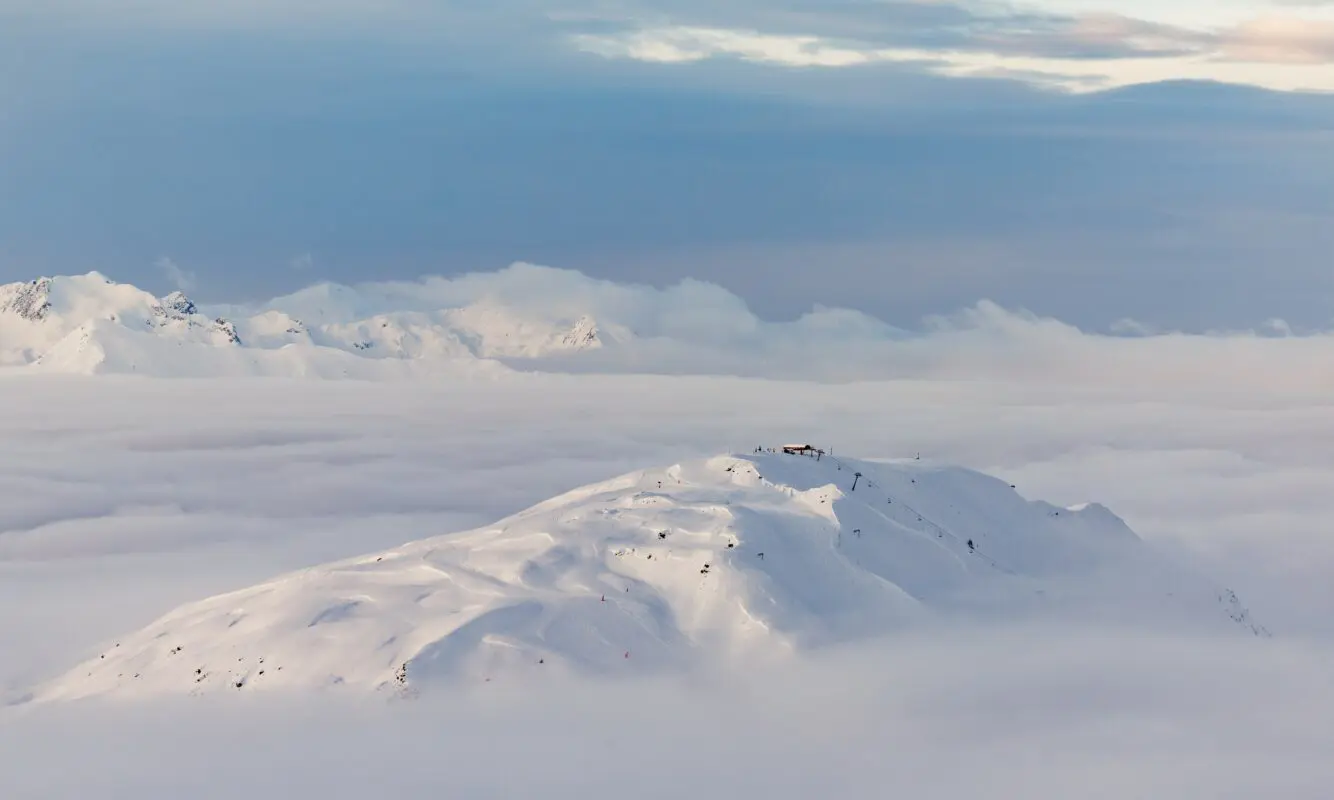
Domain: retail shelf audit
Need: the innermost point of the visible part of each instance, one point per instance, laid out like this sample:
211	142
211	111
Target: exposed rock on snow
583	335
29	301
708	563
180	304
90	324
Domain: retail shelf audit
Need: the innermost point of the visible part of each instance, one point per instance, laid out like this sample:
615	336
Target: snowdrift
708	564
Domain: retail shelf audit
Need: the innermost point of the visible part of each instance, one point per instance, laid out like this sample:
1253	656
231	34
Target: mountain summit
710	562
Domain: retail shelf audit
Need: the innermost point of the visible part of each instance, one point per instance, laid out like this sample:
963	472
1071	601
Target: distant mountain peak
30	301
582	335
179	303
47	323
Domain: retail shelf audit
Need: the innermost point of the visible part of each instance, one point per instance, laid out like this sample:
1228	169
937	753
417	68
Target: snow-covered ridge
535	318
91	324
707	563
67	324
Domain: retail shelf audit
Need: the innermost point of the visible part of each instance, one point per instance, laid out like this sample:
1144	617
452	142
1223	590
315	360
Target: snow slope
64	317
90	324
707	563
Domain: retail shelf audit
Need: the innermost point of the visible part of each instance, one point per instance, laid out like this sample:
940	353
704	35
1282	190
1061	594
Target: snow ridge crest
90	324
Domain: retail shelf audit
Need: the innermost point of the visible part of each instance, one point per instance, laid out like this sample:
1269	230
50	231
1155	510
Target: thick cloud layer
124	498
1037	713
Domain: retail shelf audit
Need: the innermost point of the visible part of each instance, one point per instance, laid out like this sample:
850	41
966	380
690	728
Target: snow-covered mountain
52	320
90	324
702	564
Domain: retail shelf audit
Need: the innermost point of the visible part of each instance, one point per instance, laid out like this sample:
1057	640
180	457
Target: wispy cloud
181	279
1280	40
684	44
1077	53
1077	48
1075	44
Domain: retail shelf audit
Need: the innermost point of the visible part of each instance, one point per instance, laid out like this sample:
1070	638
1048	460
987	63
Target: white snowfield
89	324
709	564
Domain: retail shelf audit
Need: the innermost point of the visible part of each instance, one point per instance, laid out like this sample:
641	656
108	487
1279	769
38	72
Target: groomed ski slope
708	563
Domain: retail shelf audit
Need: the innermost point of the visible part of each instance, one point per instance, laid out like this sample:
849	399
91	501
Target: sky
1168	162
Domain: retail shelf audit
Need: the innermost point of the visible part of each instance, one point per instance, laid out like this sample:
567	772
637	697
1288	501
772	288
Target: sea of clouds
1011	713
121	498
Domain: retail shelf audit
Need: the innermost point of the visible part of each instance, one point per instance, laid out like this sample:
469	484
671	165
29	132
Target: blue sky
904	158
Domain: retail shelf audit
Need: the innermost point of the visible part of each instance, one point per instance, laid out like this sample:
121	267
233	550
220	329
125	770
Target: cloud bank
697	327
541	319
1045	714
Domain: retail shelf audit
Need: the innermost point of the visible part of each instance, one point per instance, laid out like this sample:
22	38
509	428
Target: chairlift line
940	531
